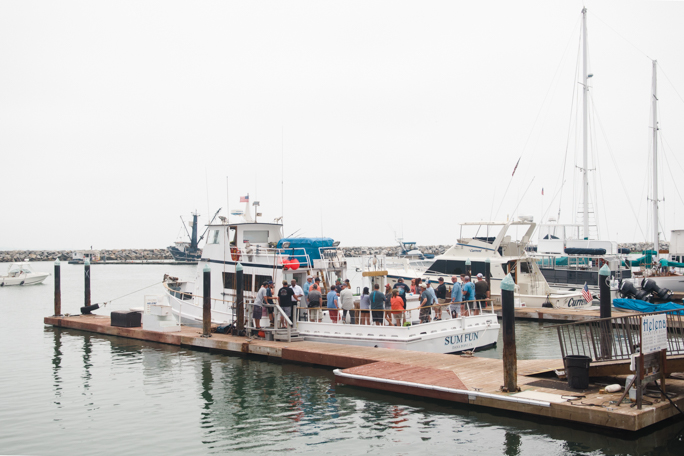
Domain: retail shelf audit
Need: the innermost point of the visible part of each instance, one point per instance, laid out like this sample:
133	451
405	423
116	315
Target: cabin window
213	237
247	282
261	279
255	237
453	267
229	280
525	267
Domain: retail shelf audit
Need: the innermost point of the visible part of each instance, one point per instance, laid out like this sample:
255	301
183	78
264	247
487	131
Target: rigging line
618	34
552	200
670	148
567	140
133	292
668	80
538	114
595	160
610	151
669	168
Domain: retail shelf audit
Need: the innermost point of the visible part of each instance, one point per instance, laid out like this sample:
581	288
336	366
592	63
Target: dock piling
58	289
86	276
510	357
606	312
206	303
239	298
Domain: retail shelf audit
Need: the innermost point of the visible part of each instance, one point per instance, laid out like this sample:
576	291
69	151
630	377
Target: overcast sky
390	117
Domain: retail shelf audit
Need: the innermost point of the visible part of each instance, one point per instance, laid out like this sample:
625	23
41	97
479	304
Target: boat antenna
282	174
227	202
206	182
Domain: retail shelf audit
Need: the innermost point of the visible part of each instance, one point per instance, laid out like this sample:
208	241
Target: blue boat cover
665	263
308	245
643	306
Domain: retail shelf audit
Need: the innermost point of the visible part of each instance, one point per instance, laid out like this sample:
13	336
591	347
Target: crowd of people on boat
375	307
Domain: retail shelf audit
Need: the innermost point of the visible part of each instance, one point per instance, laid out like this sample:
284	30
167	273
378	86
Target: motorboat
264	254
495	249
21	273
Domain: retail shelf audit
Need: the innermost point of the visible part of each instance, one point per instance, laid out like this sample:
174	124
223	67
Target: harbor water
72	392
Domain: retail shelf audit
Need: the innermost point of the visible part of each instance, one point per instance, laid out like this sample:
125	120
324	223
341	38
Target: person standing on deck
365	306
441	299
431	290
481	292
307	287
426	300
347	304
258	305
315	298
403	290
397	307
377	299
298	299
468	293
388	304
270	300
285	296
456	298
332	304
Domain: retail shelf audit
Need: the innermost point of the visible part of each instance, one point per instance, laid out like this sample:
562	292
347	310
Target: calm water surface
70	392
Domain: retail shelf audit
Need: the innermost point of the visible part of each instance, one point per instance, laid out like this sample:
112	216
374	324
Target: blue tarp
643	306
309	245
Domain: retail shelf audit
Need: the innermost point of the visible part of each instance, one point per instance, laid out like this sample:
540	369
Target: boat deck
472	380
560	315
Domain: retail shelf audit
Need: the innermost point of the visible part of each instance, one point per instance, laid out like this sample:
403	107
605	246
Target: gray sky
119	117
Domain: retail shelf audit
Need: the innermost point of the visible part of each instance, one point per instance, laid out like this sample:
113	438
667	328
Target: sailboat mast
654	201
585	160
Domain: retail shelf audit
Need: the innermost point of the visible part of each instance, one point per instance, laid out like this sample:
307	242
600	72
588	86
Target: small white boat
21	273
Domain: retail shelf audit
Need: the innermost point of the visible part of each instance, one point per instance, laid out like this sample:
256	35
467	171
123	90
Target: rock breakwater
66	255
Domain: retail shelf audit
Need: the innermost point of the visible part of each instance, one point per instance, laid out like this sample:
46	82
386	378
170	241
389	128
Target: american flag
244	199
587	294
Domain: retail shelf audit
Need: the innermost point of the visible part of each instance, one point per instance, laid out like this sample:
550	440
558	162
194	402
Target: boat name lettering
476	250
576	302
453	340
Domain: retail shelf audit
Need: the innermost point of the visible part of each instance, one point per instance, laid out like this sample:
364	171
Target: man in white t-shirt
258	304
298	296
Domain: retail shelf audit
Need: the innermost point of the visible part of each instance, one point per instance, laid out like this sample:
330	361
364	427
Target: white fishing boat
493	251
265	255
21	273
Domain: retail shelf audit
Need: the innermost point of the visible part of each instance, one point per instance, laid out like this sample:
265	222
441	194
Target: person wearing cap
456	298
258	305
434	296
426	300
468	294
285	296
481	292
441	298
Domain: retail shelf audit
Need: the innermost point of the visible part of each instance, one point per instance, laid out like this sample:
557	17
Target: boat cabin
555	238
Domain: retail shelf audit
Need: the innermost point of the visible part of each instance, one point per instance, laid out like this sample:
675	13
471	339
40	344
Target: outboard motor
629	291
652	287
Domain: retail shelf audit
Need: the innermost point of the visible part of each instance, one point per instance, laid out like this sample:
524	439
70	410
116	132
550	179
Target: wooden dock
468	380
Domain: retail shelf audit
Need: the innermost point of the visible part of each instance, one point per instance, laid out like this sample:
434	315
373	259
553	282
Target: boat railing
469	309
270	255
616	338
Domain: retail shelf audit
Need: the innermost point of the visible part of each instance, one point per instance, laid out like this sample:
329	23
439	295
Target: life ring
235	253
601	262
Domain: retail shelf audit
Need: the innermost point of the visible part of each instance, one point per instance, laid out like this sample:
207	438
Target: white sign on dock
653	333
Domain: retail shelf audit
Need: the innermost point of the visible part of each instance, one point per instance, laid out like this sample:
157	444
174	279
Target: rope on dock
104	303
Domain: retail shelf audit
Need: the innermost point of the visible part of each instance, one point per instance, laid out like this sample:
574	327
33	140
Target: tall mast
585	164
654	201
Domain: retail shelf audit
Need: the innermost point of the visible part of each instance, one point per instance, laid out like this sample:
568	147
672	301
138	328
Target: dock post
239	299
86	276
510	357
58	289
606	303
206	302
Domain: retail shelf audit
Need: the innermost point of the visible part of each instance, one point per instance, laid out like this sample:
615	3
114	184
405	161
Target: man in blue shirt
456	298
332	304
468	292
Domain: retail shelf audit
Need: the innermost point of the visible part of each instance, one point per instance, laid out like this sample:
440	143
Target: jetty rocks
66	255
391	250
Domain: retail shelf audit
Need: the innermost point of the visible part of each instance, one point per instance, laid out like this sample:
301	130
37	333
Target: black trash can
577	371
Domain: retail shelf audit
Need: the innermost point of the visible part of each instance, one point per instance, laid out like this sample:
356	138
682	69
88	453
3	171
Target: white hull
446	336
24	279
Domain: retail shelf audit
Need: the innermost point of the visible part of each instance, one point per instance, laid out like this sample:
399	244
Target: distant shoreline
9	256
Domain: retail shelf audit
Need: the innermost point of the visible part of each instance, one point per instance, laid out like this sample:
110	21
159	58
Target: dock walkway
471	380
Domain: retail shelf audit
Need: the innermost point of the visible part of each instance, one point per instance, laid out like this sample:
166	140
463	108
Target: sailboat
568	255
